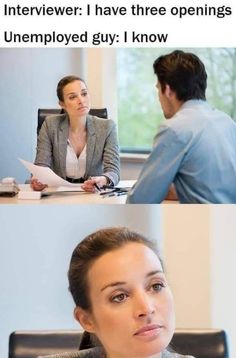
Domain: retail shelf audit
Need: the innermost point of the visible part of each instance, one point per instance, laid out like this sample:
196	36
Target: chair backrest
43	113
204	343
31	344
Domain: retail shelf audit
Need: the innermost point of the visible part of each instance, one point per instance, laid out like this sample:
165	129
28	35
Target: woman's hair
65	81
89	250
184	72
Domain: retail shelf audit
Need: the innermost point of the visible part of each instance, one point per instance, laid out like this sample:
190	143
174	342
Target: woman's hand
91	183
36	185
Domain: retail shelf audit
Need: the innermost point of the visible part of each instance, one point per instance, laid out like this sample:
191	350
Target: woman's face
132	306
76	99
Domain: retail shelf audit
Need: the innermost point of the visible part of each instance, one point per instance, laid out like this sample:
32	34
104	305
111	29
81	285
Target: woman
76	146
122	297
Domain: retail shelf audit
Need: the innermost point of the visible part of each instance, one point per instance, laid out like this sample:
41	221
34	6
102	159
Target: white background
204	31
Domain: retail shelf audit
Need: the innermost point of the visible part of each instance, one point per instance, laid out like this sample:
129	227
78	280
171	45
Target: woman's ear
85	319
61	104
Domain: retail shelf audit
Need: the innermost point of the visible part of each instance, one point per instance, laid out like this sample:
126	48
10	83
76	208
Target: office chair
31	344
200	343
43	113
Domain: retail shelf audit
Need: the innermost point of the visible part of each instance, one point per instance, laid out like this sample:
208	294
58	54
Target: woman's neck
77	124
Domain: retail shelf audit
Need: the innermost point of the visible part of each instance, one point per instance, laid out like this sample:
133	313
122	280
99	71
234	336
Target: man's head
181	77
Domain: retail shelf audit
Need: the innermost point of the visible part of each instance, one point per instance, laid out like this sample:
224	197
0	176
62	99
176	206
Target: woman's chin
83	111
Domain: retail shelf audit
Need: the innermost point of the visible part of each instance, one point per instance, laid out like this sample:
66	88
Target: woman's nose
144	305
80	99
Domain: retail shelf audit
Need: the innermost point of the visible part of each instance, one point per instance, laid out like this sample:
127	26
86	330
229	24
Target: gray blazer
102	147
99	353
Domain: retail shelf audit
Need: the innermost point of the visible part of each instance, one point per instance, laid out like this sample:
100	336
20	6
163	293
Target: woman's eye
157	286
72	97
84	94
119	298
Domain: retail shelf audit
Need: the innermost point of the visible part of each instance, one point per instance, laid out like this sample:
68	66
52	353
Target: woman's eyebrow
119	283
152	273
113	284
70	93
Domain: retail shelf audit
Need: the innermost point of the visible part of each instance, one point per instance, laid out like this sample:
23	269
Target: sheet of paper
46	176
76	187
126	183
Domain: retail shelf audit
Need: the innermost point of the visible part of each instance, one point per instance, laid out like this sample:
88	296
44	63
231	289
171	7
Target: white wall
223	261
187	257
131	165
100	72
200	256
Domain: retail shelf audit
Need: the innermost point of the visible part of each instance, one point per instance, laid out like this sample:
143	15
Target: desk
72	198
66	198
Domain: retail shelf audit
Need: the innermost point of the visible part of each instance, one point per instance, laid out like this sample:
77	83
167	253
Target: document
46	176
126	184
69	189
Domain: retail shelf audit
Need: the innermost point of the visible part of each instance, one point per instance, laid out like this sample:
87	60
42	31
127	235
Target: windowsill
133	157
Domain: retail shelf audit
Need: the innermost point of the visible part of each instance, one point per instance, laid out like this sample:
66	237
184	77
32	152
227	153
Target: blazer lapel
91	141
63	134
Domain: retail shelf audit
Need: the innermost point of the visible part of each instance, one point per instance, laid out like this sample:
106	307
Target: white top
75	167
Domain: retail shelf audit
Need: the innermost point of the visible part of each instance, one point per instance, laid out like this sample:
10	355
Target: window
139	112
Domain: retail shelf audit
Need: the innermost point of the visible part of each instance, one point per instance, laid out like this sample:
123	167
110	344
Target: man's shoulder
198	112
187	121
171	130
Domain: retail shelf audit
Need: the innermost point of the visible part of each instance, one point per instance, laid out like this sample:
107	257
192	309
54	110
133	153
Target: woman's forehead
132	260
75	85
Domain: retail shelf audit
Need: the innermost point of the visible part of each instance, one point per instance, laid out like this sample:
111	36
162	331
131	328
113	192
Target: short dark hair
90	249
184	72
65	81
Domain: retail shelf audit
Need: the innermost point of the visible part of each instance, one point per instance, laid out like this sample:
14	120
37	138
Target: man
195	149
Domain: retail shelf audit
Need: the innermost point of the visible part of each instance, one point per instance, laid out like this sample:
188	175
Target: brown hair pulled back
90	249
65	81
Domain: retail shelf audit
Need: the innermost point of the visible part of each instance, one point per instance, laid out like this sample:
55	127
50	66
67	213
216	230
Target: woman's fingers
89	186
37	185
94	184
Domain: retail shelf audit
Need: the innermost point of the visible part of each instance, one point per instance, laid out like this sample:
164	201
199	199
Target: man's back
207	172
195	149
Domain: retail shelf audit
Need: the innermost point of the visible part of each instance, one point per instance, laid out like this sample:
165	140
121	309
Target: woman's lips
148	330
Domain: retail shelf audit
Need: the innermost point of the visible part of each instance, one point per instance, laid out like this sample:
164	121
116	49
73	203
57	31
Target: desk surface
70	198
65	198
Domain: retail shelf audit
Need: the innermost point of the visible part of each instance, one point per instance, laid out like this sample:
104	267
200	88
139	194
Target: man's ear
85	319
169	92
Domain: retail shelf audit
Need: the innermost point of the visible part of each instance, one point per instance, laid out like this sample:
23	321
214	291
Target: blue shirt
195	150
